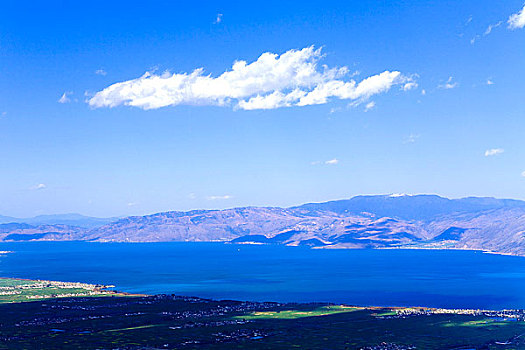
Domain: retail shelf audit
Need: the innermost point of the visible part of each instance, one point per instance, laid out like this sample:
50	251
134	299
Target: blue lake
464	279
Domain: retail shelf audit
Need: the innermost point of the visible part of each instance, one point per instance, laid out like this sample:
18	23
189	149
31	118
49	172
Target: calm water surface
279	273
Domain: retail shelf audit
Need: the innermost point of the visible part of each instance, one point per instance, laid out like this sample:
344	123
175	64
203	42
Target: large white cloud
517	20
293	78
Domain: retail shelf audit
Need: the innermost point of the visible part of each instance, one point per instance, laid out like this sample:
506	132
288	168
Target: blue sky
297	126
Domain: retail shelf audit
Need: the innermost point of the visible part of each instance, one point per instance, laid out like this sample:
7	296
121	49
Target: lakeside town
511	315
18	290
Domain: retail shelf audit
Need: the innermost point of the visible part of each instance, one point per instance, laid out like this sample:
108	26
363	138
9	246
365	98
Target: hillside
394	221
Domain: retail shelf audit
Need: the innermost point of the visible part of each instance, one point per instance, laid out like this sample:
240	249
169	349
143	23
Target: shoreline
484	251
106	292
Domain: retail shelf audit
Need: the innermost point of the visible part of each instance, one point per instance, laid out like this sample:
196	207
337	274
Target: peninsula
13	290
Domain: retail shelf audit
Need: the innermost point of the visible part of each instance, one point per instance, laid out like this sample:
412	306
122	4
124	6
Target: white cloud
214	198
65	97
326	162
523	174
517	20
100	72
38	187
271	101
218	19
192	195
409	86
131	204
489	29
332	161
449	84
492	26
370	105
494	152
490	82
293	78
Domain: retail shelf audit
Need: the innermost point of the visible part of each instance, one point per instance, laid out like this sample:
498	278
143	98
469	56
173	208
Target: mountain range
379	221
60	219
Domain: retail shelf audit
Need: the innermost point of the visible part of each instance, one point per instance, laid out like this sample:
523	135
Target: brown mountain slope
361	222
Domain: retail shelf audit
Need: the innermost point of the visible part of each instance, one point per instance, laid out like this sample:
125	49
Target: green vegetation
486	322
166	322
12	282
387	313
294	314
134	328
17	290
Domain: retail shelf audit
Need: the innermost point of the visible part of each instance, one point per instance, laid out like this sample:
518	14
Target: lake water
463	279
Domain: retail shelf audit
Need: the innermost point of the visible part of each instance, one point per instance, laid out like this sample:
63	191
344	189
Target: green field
18	290
294	314
12	282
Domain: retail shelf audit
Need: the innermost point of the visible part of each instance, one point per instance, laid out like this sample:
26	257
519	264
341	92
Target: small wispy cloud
192	196
218	19
214	198
490	82
65	97
412	138
409	86
449	84
517	20
131	204
101	72
38	187
333	161
494	152
491	27
334	110
523	174
370	105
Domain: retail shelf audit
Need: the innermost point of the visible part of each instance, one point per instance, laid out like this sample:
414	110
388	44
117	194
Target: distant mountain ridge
60	219
412	207
382	221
